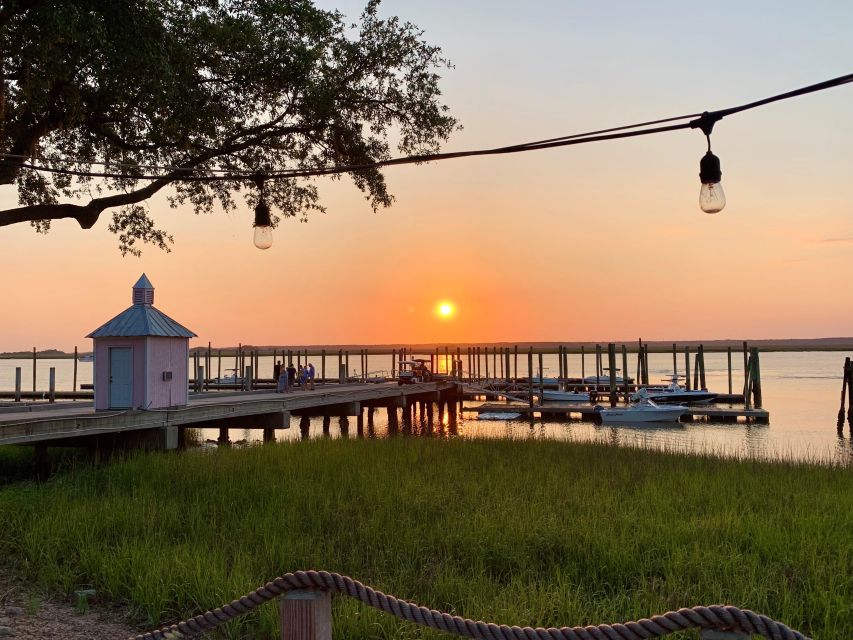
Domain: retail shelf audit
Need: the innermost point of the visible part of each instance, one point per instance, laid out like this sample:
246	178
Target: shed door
121	378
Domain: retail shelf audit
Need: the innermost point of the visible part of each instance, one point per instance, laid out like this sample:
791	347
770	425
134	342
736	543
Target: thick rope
716	617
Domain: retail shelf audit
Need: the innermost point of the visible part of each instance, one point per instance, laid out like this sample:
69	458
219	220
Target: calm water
801	390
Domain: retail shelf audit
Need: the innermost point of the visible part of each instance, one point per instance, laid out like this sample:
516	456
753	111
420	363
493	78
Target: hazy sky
595	242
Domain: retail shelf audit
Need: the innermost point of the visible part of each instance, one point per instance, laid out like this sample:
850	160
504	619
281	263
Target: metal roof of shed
141	320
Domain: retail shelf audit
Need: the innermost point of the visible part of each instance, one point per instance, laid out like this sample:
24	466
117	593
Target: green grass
516	532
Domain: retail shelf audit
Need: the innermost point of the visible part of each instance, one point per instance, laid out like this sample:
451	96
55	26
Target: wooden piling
323	366
34	369
51	393
625	371
583	363
219	364
611	363
17	384
756	378
74	382
687	368
541	380
674	360
702	384
508	372
515	365
729	360
530	376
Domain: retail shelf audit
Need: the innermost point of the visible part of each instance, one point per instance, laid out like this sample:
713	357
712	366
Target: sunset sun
445	309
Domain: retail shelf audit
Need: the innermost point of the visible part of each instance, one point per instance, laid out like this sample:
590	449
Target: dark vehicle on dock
415	370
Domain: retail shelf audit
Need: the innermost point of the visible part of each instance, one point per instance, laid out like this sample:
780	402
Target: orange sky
598	242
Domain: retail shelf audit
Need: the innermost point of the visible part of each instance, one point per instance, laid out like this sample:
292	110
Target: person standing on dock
282	382
276	371
291	375
301	376
311	374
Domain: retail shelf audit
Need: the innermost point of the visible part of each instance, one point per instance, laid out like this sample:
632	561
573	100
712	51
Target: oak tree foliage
199	86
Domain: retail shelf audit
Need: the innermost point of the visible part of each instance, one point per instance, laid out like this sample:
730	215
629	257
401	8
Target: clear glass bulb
711	197
263	237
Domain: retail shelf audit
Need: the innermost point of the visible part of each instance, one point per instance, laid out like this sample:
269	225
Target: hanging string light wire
703	121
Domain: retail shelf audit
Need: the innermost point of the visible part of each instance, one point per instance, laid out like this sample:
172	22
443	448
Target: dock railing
306	614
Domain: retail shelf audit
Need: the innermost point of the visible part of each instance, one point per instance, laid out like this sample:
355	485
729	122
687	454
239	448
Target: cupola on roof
142	319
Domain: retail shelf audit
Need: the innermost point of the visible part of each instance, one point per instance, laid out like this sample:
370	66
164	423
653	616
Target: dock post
323	366
674	361
346	362
201	382
625	371
756	377
850	397
696	371
74	381
486	358
639	379
508	372
219	364
515	366
34	369
269	435
342	374
17	384
687	368
51	394
611	363
646	364
583	363
207	367
247	379
702	384
541	381
745	363
530	376
501	358
729	359
747	386
598	356
306	615
844	379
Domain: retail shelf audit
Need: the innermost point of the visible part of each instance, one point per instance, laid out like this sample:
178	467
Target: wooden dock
587	412
73	423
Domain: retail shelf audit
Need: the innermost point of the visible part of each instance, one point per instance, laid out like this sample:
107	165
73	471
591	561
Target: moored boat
673	393
563	396
643	411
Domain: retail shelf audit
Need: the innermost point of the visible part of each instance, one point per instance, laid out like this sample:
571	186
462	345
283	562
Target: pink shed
141	357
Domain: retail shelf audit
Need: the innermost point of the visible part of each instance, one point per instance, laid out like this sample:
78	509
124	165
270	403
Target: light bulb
263	236
711	197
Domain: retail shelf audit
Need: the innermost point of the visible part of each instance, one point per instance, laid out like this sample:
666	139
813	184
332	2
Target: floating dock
587	412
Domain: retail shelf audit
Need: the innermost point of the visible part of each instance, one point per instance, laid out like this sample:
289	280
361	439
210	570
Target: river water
801	391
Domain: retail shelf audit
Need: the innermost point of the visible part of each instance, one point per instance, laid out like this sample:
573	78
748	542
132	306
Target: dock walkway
72	421
587	411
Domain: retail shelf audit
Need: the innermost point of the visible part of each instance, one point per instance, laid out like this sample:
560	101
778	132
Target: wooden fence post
306	615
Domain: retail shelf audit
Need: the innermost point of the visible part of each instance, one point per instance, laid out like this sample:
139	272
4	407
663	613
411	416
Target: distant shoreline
655	346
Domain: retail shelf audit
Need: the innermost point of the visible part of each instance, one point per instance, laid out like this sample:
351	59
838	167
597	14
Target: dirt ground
25	614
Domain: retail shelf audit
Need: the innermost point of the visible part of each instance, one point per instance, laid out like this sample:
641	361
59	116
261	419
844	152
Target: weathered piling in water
611	363
34	369
74	383
17	384
530	375
625	372
541	380
729	360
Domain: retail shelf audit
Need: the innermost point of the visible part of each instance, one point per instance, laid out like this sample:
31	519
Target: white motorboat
673	393
604	381
232	379
643	411
563	396
499	415
86	358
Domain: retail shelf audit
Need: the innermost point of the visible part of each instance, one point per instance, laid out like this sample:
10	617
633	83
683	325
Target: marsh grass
517	532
